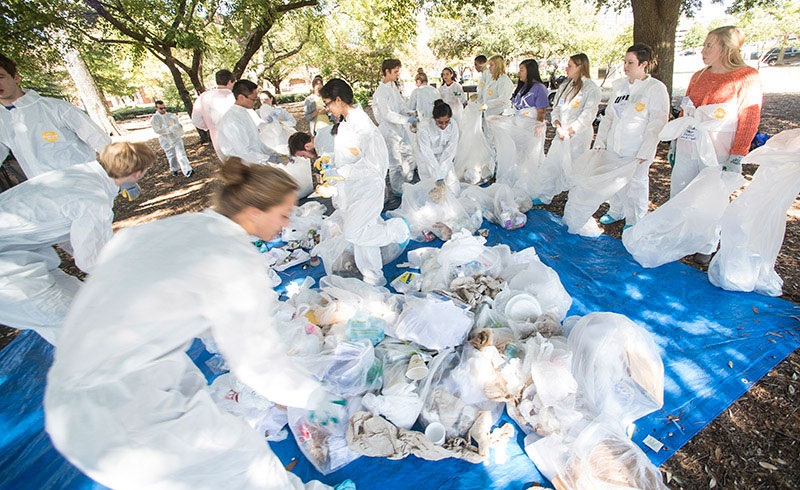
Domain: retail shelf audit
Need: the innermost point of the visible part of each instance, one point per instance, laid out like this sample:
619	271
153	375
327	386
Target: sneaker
538	202
190	173
174	173
607	219
626	227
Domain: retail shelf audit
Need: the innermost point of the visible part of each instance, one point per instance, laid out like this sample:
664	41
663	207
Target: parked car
791	55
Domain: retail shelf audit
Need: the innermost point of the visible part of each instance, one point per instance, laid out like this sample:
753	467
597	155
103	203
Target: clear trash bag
351	368
431	210
519	141
754	225
324	445
474	157
433	322
237	398
686	224
595	178
617	366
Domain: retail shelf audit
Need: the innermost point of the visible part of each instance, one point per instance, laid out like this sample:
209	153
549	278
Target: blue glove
412	120
734	164
346	485
278	158
671	154
268	120
131	191
403	245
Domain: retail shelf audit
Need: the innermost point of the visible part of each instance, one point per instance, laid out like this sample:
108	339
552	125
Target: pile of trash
471	331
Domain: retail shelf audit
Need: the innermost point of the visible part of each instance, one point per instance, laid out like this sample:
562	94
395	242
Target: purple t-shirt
535	97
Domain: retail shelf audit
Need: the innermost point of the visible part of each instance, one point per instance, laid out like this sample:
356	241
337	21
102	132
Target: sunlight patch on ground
180	192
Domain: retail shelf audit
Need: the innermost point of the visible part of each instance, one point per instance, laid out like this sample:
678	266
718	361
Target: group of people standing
124	403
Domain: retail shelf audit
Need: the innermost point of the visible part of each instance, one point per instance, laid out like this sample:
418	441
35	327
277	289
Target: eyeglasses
253	97
326	104
162	108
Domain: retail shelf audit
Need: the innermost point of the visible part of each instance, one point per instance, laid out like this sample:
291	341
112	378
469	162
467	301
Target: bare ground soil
754	444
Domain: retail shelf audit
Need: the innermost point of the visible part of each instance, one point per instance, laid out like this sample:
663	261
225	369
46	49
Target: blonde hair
731	38
123	159
582	62
259	186
499	66
421	76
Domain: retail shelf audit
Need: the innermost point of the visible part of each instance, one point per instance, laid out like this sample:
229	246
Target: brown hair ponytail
259	186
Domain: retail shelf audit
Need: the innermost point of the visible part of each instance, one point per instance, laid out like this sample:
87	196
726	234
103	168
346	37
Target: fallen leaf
730	365
755	310
712	483
768	466
290	466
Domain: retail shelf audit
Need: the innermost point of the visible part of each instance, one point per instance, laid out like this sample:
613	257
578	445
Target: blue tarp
715	345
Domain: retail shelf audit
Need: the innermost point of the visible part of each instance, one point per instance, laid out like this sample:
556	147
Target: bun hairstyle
259	186
441	109
731	38
421	76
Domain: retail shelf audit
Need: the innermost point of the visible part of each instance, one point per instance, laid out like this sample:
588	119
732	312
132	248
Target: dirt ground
755	444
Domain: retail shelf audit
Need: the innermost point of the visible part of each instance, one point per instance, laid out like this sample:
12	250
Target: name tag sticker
689	135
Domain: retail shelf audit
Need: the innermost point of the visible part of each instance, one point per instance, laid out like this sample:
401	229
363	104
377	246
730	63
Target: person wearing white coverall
170	136
481	67
389	109
72	205
361	161
212	104
279	122
438	142
574	111
497	89
422	98
635	114
452	92
44	134
124	402
238	130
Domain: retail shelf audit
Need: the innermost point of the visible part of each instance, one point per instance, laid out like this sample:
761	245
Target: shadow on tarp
701	331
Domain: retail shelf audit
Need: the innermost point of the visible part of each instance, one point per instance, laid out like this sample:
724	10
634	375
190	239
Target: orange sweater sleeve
749	113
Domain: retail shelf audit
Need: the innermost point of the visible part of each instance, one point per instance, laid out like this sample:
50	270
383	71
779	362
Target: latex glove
325	407
278	158
131	191
562	133
331	175
484	107
671	153
412	120
734	164
322	164
268	120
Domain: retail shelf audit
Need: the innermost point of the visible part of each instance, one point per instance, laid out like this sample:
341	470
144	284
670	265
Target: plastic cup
523	307
416	368
435	432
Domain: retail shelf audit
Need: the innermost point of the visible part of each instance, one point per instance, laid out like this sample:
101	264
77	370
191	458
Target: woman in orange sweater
725	100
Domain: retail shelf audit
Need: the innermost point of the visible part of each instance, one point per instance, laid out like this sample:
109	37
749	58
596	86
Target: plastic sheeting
697	327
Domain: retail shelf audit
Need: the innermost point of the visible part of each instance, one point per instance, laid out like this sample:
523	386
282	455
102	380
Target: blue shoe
626	227
538	202
607	219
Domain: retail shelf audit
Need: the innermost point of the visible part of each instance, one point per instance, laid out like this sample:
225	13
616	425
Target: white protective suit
239	136
170	137
497	94
437	153
208	110
125	403
389	108
754	224
47	134
577	113
481	88
361	159
627	134
454	95
704	139
279	126
421	101
73	204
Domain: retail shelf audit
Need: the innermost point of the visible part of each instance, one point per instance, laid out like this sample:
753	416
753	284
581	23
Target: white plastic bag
543	282
617	366
399	403
519	141
433	322
324	445
597	175
602	458
305	223
501	204
352	369
343	297
474	157
299	169
754	225
239	399
550	178
432	209
686	224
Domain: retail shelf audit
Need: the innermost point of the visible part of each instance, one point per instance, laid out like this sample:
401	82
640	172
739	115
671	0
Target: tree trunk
654	23
196	71
183	92
782	50
92	97
275	83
